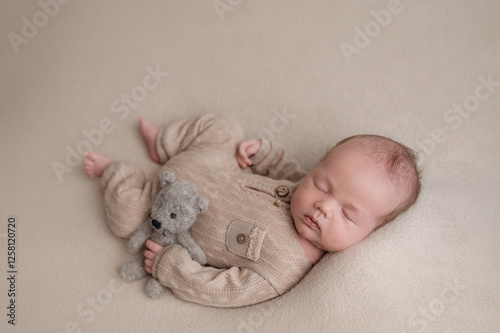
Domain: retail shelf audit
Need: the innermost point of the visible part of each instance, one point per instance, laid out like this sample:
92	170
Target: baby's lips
311	222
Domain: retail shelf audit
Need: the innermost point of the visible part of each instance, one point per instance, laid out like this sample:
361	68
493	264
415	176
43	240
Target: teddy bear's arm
192	247
139	237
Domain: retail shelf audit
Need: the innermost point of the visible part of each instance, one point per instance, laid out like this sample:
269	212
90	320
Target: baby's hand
247	149
150	253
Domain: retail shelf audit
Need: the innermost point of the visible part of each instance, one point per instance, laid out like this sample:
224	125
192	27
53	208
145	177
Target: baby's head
362	183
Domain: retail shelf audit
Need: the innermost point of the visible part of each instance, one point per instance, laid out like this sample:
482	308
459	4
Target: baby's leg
149	133
220	132
127	197
95	164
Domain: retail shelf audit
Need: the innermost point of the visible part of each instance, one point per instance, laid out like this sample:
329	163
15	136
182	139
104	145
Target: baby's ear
168	177
202	204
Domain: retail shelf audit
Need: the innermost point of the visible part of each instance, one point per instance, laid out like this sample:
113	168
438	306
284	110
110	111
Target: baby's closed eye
319	186
347	215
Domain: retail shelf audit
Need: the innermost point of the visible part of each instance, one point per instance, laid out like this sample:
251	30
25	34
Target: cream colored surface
420	76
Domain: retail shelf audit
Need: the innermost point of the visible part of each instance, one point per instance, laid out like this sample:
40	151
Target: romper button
241	238
282	191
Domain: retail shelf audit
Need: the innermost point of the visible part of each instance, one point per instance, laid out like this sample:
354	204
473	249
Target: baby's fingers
241	161
250	147
149	254
242	148
148	265
153	246
253	147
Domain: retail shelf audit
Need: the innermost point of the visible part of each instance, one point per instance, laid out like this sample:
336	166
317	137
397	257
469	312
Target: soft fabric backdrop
78	74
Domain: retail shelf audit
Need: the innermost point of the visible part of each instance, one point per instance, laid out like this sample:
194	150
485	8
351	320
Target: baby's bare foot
149	133
95	163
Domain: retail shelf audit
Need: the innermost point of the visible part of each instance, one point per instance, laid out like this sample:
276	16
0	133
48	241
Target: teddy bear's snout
156	224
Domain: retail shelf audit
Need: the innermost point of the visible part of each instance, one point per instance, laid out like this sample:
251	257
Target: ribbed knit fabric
202	151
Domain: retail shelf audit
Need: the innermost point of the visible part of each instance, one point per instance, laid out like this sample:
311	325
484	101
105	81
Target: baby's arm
268	159
190	281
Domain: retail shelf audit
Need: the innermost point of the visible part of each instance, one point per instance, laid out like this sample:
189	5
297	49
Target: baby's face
343	199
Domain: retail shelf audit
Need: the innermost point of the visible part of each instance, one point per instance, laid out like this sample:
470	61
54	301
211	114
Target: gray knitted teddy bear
174	211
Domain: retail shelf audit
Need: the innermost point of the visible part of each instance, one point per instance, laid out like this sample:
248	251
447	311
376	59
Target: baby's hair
399	161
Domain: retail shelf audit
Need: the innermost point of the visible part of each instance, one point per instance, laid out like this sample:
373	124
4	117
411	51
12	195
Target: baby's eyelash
346	216
319	187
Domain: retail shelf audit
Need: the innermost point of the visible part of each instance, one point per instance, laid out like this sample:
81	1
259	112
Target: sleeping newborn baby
267	221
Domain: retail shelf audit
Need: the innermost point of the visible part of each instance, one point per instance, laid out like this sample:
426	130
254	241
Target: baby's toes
88	165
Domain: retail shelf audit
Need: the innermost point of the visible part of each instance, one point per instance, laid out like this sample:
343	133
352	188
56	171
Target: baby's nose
156	224
326	208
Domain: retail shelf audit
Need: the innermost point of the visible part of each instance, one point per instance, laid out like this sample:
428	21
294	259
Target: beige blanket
77	75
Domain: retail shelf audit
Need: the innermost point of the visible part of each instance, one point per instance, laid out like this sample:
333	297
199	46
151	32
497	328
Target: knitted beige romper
248	234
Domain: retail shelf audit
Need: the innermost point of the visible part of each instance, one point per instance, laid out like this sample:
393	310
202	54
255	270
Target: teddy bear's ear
202	204
167	177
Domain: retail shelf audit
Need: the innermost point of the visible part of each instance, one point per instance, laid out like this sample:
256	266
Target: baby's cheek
297	200
331	239
295	211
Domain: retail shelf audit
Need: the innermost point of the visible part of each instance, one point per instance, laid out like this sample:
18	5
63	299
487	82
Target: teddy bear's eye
172	215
